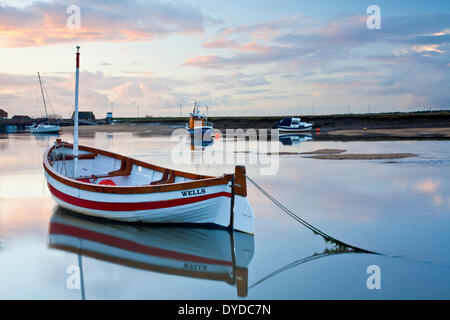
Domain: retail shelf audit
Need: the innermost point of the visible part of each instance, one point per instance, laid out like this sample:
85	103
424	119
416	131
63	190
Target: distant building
3	114
20	117
84	115
109	115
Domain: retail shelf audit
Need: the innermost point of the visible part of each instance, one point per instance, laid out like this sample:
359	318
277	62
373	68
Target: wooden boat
112	186
108	185
200	253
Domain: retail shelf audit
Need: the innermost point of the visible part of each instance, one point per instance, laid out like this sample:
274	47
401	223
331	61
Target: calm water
401	209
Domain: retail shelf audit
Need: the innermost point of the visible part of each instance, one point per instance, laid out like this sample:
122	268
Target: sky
239	58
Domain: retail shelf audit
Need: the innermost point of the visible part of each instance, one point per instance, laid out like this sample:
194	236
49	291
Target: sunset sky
247	57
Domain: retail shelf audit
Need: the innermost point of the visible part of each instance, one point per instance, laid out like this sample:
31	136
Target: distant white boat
293	125
44	127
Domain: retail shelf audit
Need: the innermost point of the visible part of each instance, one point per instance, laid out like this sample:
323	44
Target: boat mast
43	97
75	128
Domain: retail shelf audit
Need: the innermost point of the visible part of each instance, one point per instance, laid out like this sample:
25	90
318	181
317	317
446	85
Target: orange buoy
107	182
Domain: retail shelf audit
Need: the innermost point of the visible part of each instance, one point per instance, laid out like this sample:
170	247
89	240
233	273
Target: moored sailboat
44	126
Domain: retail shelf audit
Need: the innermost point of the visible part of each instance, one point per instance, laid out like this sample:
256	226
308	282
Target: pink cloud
41	23
250	46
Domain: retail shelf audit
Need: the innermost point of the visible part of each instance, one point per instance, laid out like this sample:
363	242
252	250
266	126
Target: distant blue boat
11	129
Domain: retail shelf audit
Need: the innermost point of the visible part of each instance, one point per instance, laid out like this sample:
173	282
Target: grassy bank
324	122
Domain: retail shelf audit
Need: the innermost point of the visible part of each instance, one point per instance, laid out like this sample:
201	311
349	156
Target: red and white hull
188	201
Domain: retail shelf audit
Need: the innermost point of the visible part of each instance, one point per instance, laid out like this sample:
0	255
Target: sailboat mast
75	128
43	97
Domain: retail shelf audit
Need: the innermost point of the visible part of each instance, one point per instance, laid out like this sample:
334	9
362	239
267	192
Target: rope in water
336	241
306	224
294	264
327	237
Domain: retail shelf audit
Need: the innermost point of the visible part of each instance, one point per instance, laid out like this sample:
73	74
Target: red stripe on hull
66	230
131	206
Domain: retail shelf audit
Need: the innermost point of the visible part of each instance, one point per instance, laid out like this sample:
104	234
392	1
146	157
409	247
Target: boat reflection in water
201	145
44	136
189	251
293	139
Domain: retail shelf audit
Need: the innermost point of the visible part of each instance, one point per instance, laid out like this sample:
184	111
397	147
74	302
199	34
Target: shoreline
411	133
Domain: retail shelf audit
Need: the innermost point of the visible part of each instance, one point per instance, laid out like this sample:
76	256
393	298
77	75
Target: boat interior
104	168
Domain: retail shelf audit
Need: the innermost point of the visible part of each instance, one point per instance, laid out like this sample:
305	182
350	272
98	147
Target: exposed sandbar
361	156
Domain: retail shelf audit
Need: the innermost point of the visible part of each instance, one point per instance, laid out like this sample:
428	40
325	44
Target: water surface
401	209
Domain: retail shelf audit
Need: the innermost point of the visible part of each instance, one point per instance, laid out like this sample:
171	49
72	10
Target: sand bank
362	156
151	129
395	132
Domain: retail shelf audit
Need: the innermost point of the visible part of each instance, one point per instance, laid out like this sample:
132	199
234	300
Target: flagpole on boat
75	128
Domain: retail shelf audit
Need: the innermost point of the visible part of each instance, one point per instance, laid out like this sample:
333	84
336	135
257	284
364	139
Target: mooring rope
336	241
306	224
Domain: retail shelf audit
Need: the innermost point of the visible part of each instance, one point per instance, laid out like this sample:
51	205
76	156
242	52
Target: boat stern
243	218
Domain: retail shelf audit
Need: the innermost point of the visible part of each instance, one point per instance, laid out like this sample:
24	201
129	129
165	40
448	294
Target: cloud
20	94
41	23
343	57
234	80
335	40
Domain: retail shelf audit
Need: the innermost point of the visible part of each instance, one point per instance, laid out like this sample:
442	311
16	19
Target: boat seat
168	177
84	156
125	168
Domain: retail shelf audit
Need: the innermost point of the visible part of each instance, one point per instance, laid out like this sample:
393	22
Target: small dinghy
103	184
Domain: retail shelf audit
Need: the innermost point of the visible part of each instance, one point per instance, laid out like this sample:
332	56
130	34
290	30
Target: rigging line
336	241
43	97
306	224
49	102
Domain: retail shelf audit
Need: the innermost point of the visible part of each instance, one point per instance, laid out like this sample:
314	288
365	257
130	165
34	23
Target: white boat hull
303	129
206	205
45	129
